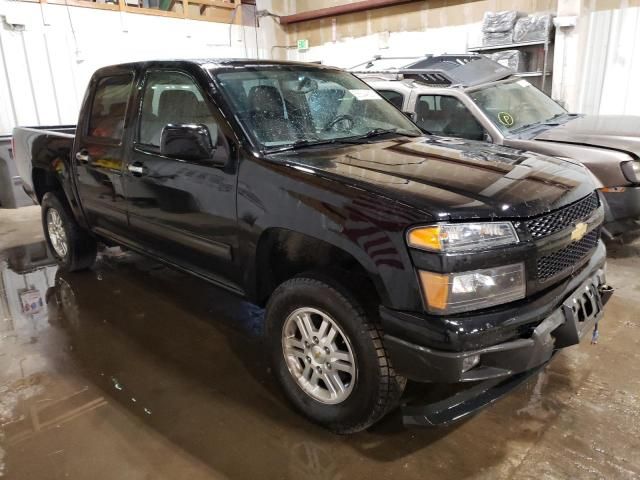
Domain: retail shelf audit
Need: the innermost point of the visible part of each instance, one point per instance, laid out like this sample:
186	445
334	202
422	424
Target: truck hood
451	178
619	132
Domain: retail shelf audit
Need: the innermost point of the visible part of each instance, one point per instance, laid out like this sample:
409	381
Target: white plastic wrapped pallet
498	27
533	28
499	21
514	59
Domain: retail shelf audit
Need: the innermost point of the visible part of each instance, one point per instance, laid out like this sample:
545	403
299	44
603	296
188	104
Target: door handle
83	156
137	169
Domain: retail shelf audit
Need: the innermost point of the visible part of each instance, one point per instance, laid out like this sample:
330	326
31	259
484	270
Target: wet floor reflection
133	370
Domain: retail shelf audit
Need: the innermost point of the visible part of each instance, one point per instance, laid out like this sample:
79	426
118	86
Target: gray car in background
472	97
12	194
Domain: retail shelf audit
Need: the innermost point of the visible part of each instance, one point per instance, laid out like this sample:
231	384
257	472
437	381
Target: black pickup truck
380	254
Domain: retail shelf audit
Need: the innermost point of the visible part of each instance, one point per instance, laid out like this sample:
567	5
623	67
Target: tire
371	390
79	248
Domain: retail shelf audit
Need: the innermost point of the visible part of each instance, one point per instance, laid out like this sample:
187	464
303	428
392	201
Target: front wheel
329	356
72	246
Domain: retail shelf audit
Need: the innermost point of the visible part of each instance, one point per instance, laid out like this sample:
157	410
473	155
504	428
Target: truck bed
41	148
11	192
55	129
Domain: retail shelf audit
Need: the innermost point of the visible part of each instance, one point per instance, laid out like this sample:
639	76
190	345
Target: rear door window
446	115
109	107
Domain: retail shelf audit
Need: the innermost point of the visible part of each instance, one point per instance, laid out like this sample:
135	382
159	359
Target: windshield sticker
364	94
506	119
523	83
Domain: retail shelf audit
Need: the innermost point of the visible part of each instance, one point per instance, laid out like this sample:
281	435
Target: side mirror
408	115
187	142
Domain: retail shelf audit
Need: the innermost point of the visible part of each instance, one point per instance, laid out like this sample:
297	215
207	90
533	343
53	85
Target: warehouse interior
139	366
66	43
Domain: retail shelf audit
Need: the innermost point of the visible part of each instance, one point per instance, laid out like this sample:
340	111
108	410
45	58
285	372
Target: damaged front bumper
501	367
552	334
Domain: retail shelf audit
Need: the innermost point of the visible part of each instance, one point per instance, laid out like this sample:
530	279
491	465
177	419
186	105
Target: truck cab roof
211	64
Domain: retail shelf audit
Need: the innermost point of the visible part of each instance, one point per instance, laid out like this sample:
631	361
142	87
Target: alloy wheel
319	355
57	234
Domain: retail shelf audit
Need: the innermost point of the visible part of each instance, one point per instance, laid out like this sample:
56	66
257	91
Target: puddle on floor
133	370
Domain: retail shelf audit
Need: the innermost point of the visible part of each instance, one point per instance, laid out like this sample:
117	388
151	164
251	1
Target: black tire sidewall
81	246
304	292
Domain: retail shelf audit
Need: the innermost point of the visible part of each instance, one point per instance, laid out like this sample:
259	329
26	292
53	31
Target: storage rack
544	46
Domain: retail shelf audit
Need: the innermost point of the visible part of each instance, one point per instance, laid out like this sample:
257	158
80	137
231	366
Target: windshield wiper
377	132
302	143
557	115
524	127
546	122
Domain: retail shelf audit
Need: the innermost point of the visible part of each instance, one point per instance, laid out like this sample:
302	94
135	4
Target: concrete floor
134	371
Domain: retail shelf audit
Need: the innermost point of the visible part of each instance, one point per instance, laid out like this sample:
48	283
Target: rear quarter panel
39	151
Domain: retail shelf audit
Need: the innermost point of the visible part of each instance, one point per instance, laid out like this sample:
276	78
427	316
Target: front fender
367	226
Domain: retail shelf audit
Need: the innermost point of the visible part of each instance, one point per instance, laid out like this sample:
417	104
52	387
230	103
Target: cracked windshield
289	107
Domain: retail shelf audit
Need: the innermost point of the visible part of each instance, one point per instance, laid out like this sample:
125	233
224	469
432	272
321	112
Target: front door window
174	98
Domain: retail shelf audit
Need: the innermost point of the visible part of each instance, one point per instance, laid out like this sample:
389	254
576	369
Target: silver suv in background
472	97
12	195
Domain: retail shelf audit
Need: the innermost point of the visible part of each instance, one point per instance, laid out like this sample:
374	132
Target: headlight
456	237
631	170
464	291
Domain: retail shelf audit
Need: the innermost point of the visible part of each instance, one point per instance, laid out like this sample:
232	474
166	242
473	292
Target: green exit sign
303	44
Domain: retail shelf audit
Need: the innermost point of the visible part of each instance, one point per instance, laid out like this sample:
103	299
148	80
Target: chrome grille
563	218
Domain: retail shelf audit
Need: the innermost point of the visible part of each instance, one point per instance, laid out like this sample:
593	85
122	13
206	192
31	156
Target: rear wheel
72	246
329	356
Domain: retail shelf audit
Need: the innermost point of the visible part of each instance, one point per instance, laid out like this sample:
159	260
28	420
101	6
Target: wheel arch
282	254
45	181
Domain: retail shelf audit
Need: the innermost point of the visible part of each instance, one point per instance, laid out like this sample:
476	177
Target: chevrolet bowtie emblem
578	232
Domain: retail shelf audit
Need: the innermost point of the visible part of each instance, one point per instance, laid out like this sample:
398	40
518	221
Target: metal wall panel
610	72
48	53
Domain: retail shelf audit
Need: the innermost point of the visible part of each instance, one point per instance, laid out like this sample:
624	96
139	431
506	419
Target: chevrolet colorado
380	254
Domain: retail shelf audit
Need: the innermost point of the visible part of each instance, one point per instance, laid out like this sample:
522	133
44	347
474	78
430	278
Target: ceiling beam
339	10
